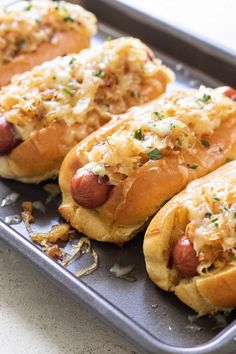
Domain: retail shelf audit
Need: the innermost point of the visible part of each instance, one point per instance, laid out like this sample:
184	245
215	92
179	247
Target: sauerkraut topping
25	25
86	88
178	120
212	223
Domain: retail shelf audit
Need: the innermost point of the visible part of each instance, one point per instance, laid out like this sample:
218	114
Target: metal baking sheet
155	321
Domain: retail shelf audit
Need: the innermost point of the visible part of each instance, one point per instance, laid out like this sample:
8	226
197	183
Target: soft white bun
60	102
203	293
37	31
135	199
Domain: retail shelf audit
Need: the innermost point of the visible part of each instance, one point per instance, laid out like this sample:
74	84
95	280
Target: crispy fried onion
57	232
61	232
83	247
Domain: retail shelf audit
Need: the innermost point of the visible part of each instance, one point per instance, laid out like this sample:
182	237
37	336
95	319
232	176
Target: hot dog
60	102
230	92
185	258
36	31
8	137
189	246
89	190
148	155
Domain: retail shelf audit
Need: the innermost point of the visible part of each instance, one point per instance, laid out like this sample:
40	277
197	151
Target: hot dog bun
203	212
60	102
36	31
148	155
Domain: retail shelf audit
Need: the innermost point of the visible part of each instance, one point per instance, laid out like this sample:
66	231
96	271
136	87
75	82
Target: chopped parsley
159	115
21	42
109	38
172	126
214	220
216	198
138	134
99	73
54	77
193	166
205	98
205	143
68	19
225	208
235	214
29	7
71	62
68	91
155	154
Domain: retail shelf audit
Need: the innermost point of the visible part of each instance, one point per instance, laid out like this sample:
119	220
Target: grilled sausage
231	93
185	258
8	137
89	190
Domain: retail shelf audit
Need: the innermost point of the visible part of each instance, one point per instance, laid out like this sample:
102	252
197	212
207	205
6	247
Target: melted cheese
177	120
86	88
25	25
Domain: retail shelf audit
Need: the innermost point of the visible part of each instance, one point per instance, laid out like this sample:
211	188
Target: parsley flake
214	220
193	166
68	19
208	215
72	61
159	115
205	143
99	73
155	154
138	134
68	91
109	38
29	7
205	98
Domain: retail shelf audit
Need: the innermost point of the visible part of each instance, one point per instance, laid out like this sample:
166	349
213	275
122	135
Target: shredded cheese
212	222
177	120
25	25
87	88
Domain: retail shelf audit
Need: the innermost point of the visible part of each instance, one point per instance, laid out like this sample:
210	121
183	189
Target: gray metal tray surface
156	321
